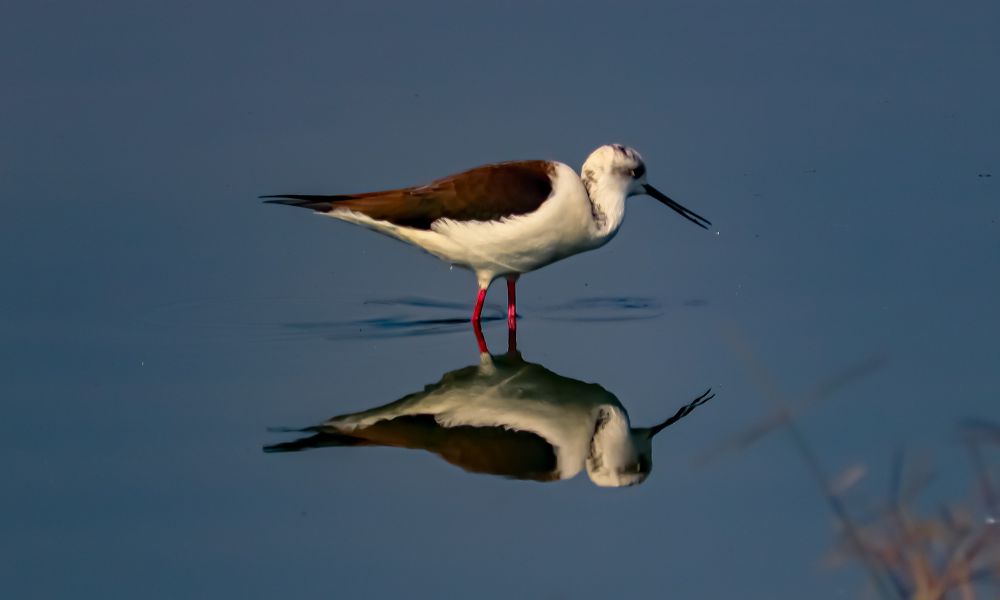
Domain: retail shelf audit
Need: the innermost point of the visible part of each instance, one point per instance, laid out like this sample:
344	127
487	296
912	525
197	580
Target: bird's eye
638	171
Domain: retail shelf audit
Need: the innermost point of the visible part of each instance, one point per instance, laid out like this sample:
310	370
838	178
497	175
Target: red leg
478	312
511	304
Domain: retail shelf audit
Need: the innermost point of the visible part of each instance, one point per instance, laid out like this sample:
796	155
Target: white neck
607	197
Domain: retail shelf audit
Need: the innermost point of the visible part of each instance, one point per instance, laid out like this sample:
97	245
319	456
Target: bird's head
620	171
619	456
615	166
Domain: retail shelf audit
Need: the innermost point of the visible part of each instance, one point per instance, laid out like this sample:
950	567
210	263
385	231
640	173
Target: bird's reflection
508	417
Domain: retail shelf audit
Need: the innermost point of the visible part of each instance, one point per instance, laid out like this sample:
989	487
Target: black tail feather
321	439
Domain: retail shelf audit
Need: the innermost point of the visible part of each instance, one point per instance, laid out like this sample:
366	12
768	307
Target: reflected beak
692	216
684	410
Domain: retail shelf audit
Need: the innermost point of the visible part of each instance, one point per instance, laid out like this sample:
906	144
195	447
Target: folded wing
486	193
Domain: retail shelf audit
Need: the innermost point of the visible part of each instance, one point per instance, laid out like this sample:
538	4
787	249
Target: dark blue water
159	326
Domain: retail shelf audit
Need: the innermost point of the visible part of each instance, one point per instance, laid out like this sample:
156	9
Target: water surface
157	322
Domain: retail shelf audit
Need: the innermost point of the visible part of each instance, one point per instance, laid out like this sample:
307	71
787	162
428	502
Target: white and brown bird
505	219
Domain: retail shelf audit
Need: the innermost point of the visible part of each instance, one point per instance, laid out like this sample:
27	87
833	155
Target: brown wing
485	193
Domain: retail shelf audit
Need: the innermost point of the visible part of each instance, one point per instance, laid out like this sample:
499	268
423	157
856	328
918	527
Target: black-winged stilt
506	416
504	219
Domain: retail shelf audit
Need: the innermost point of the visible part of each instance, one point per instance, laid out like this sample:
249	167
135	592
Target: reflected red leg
478	312
511	304
511	341
480	340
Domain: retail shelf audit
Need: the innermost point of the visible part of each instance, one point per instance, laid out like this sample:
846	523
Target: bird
508	417
504	219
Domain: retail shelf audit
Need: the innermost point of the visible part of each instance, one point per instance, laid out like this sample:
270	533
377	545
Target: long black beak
692	216
683	412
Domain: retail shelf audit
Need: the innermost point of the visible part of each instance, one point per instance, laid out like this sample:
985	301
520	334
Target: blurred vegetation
909	548
949	549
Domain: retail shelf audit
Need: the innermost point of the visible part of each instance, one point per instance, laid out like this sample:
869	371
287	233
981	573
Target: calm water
159	327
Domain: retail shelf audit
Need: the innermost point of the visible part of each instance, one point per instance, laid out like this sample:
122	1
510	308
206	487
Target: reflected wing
485	193
490	450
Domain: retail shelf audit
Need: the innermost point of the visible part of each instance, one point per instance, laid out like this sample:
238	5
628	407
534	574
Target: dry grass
948	551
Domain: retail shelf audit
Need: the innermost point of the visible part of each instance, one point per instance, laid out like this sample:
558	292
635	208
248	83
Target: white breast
524	243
